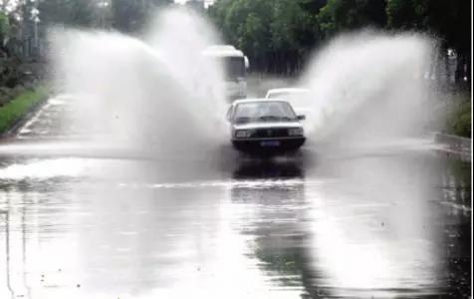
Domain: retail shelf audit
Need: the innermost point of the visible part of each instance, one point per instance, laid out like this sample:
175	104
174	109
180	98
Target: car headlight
295	132
243	133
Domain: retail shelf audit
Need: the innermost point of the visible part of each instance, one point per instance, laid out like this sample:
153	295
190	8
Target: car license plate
270	143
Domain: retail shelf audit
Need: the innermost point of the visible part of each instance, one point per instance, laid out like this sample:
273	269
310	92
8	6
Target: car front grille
270	133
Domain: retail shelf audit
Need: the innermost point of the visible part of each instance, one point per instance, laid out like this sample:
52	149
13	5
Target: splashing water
181	36
160	93
368	87
156	93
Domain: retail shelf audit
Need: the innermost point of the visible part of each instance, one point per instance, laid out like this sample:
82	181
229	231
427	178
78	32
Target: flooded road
365	224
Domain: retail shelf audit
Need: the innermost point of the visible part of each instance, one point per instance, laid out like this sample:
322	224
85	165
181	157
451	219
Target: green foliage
279	32
69	13
270	32
130	15
4	33
449	20
284	32
340	15
126	15
459	120
123	15
403	14
4	25
285	35
18	107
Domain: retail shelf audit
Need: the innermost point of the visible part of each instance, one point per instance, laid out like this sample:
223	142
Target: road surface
383	222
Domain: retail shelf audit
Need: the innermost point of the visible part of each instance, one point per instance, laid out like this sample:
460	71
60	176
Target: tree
130	15
9	50
341	15
16	18
77	13
4	28
123	15
447	20
405	15
275	34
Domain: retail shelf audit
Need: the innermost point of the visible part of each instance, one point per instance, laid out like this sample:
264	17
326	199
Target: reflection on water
394	226
269	169
276	220
456	199
371	227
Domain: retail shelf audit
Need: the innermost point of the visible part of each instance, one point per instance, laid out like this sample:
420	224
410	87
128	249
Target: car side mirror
301	117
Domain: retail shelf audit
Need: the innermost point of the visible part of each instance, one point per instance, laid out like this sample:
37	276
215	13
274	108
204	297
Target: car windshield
270	111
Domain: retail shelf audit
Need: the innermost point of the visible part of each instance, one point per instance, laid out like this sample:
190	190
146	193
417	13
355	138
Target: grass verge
14	110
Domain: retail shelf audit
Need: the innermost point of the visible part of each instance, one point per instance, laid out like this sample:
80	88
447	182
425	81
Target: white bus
235	65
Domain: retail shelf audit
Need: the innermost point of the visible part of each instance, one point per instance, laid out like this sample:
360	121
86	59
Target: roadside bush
8	94
12	111
459	119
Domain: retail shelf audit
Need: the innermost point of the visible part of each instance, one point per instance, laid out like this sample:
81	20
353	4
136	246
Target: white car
299	98
265	126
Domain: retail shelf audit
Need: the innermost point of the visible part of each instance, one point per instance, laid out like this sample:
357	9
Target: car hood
267	125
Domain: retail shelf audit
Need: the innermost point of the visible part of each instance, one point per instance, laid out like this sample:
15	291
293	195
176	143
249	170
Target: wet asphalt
378	223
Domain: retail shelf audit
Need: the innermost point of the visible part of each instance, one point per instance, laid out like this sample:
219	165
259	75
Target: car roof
222	51
257	100
288	89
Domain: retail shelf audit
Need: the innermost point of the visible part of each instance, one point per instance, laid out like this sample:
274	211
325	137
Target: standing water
364	225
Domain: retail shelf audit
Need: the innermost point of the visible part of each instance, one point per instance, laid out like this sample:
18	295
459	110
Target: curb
22	120
455	145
